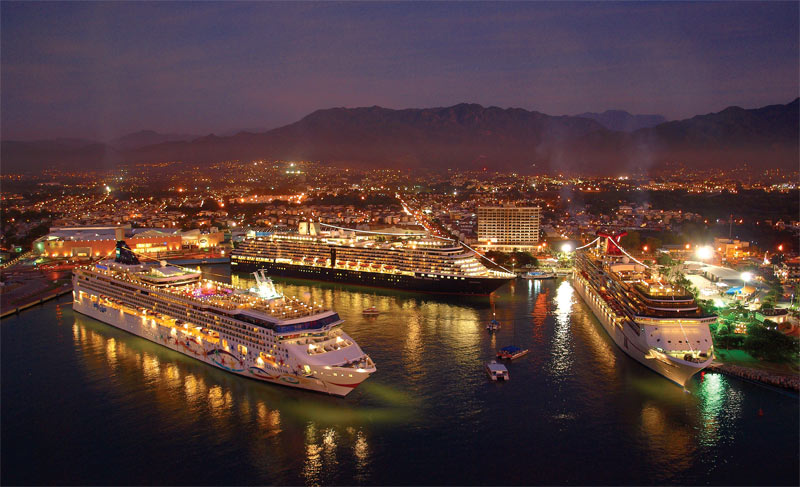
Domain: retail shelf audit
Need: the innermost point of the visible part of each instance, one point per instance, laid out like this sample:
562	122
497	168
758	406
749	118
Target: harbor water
85	403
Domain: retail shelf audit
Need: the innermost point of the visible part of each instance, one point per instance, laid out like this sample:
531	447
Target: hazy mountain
460	135
144	138
467	136
37	155
623	121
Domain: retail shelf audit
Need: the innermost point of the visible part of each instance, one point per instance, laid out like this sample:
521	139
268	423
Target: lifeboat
319	261
296	259
376	266
364	265
351	264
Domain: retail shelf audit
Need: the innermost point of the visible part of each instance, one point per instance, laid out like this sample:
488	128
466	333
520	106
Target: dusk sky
100	70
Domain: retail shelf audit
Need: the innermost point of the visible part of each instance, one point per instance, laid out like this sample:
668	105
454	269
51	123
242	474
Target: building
100	241
508	228
732	249
789	270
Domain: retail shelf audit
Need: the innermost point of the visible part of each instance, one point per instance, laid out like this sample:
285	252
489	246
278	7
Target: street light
746	277
566	248
705	253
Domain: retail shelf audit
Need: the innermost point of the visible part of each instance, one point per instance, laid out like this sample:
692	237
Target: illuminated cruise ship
413	264
257	333
656	323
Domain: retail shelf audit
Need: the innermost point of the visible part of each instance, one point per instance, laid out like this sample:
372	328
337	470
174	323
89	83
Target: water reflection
430	394
720	406
562	340
216	400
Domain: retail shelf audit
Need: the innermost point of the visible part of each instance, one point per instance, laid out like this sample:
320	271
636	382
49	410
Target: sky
100	70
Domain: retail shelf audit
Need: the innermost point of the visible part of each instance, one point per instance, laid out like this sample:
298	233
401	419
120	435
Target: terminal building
100	241
509	228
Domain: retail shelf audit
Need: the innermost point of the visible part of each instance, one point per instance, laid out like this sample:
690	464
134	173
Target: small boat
493	325
539	275
497	371
371	311
511	353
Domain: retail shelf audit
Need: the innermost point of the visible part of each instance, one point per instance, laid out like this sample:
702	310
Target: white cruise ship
411	264
257	333
653	321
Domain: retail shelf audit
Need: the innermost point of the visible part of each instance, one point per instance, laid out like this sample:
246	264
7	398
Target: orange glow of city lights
688	246
780	247
644	248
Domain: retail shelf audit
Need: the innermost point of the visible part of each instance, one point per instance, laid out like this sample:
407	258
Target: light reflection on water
562	341
428	412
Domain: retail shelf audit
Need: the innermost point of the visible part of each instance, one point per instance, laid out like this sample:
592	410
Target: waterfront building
508	228
100	241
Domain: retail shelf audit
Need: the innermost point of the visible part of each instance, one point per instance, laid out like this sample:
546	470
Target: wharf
785	381
39	300
194	261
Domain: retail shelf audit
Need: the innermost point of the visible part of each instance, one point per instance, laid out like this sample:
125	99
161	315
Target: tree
632	241
665	260
767	344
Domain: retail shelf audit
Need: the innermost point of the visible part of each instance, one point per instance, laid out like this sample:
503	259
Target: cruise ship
655	322
397	262
257	333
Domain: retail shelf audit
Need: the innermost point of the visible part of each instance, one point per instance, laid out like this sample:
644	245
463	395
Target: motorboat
497	371
511	352
371	311
539	275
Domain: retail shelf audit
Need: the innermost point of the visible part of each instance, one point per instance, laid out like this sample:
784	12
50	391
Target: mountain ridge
623	121
467	135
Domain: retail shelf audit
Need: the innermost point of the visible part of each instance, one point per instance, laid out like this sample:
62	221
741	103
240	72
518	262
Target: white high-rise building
509	228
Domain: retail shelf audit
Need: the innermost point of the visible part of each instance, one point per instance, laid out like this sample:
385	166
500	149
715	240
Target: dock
34	302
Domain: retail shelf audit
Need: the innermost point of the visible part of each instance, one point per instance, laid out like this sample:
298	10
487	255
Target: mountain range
623	121
460	136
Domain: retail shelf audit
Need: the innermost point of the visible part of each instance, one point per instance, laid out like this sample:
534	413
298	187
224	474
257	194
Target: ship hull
416	283
205	352
678	371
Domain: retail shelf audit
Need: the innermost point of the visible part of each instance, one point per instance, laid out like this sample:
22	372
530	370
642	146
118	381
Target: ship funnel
265	288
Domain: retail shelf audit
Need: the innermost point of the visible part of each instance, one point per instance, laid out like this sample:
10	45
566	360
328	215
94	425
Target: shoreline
784	381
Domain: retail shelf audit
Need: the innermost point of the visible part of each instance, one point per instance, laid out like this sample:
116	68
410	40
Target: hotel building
508	228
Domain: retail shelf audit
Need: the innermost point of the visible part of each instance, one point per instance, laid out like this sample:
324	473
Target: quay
194	261
791	382
34	302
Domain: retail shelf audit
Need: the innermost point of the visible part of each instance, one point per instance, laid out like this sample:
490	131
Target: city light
566	248
747	276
